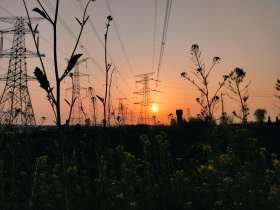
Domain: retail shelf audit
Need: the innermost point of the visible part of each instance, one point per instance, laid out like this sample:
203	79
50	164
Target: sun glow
154	108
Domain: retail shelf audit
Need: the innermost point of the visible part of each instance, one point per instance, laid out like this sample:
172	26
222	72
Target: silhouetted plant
260	115
42	78
233	84
107	67
277	87
207	102
269	123
41	75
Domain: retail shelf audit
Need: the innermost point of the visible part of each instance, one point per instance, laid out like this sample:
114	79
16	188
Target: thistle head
109	18
183	74
216	59
195	47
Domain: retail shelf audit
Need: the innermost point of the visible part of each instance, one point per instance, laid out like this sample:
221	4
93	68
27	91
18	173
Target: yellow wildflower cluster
72	170
180	173
144	138
227	179
42	159
133	203
225	159
120	196
276	163
270	172
274	193
206	168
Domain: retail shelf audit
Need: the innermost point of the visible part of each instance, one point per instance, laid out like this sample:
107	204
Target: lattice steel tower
145	115
121	112
77	116
15	102
92	98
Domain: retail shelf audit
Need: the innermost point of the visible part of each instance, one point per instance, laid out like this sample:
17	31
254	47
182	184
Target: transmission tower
121	112
15	102
131	117
145	115
77	115
92	98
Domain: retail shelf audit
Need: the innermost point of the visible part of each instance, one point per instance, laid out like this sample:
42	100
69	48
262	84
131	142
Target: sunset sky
244	33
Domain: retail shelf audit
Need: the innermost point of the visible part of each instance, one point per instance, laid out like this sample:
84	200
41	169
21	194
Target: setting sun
154	108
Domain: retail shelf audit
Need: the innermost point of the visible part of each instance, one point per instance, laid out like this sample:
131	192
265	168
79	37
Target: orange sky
244	34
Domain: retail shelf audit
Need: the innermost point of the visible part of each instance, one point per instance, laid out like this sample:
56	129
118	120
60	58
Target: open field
143	167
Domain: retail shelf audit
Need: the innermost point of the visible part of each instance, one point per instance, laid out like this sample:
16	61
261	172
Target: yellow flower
72	170
120	196
227	179
133	203
210	168
270	172
276	163
201	168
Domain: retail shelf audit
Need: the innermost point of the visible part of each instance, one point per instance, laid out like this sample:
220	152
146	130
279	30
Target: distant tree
260	115
226	119
277	121
269	123
196	121
233	84
173	122
206	102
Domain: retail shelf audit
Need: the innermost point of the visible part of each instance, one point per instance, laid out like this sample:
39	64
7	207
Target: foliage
41	74
226	171
260	115
207	102
54	98
233	84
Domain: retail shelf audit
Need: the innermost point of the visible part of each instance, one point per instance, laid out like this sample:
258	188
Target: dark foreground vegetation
142	167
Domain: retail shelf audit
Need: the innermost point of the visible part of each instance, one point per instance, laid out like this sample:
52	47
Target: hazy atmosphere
139	105
144	38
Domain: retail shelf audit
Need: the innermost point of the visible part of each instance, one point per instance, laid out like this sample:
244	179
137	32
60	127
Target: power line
165	27
119	37
101	42
67	28
70	32
155	32
6	11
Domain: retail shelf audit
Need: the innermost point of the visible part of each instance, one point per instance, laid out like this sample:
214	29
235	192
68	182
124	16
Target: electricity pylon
145	115
92	98
121	112
15	102
77	112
